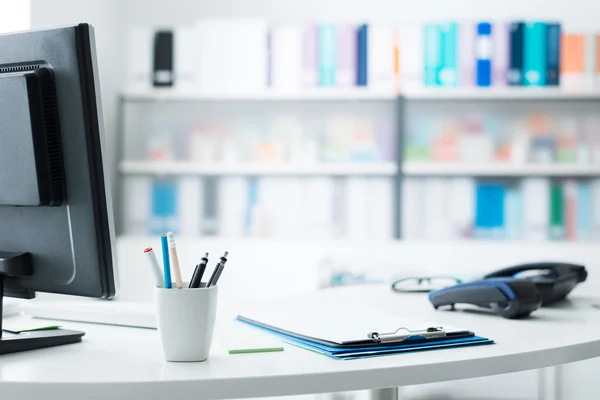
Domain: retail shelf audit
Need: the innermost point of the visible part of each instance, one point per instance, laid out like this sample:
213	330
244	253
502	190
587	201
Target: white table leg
549	383
384	394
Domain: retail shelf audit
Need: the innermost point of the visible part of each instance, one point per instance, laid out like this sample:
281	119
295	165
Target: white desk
126	363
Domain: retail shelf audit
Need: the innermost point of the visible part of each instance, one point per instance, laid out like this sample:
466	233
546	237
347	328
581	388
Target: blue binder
484	54
534	54
515	72
553	54
362	55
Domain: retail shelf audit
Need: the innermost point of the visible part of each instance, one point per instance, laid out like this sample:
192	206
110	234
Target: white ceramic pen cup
185	319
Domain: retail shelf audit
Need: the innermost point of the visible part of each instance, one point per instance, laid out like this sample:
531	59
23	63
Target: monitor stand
19	264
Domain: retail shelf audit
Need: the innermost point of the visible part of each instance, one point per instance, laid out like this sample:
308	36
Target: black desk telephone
554	280
515	291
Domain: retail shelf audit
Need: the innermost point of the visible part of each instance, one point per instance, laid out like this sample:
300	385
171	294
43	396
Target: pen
166	264
198	272
218	270
158	278
175	260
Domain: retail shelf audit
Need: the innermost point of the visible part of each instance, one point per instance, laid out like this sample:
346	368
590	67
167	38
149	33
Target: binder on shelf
462	207
436	208
397	72
490	209
515	72
570	209
362	56
137	207
164	207
139	57
380	57
190	204
358	333
557	211
597	69
534	54
327	54
466	53
513	213
232	197
590	59
210	206
318	208
380	202
250	219
432	54
448	75
553	33
585	212
501	50
310	55
340	201
536	208
572	60
483	52
163	75
355	197
410	56
412	212
184	56
347	57
596	209
285	68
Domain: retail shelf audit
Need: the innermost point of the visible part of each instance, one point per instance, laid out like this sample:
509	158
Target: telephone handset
554	280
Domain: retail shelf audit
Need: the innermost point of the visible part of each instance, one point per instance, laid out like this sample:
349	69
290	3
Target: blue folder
368	348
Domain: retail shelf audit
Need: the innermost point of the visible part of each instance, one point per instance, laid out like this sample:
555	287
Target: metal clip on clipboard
404	333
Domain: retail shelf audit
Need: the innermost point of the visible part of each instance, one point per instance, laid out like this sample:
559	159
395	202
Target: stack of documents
352	334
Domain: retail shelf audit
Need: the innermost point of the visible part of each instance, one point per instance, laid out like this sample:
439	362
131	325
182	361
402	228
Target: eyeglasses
423	284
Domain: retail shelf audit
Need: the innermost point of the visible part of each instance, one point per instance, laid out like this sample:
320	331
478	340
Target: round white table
126	363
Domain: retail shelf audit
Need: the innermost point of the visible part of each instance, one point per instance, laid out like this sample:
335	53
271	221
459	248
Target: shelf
502	93
337	94
412	168
385	244
358	93
216	169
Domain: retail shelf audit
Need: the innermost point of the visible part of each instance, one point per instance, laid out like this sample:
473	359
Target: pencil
166	264
175	260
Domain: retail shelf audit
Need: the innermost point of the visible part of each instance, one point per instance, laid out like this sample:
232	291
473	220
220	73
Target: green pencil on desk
255	350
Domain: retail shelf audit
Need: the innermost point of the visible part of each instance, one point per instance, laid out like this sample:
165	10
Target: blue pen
167	264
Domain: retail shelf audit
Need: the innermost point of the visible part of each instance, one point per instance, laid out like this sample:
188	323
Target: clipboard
342	332
372	339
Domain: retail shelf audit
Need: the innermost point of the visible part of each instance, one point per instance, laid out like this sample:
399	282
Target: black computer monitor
56	228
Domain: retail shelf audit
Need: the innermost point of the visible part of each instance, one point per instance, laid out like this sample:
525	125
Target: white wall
579	13
106	17
15	15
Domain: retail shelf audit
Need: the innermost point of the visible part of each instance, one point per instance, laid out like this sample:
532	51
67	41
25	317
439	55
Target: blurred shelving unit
281	126
530	155
406	111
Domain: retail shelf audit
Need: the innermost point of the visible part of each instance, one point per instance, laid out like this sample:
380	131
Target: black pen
198	272
218	270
